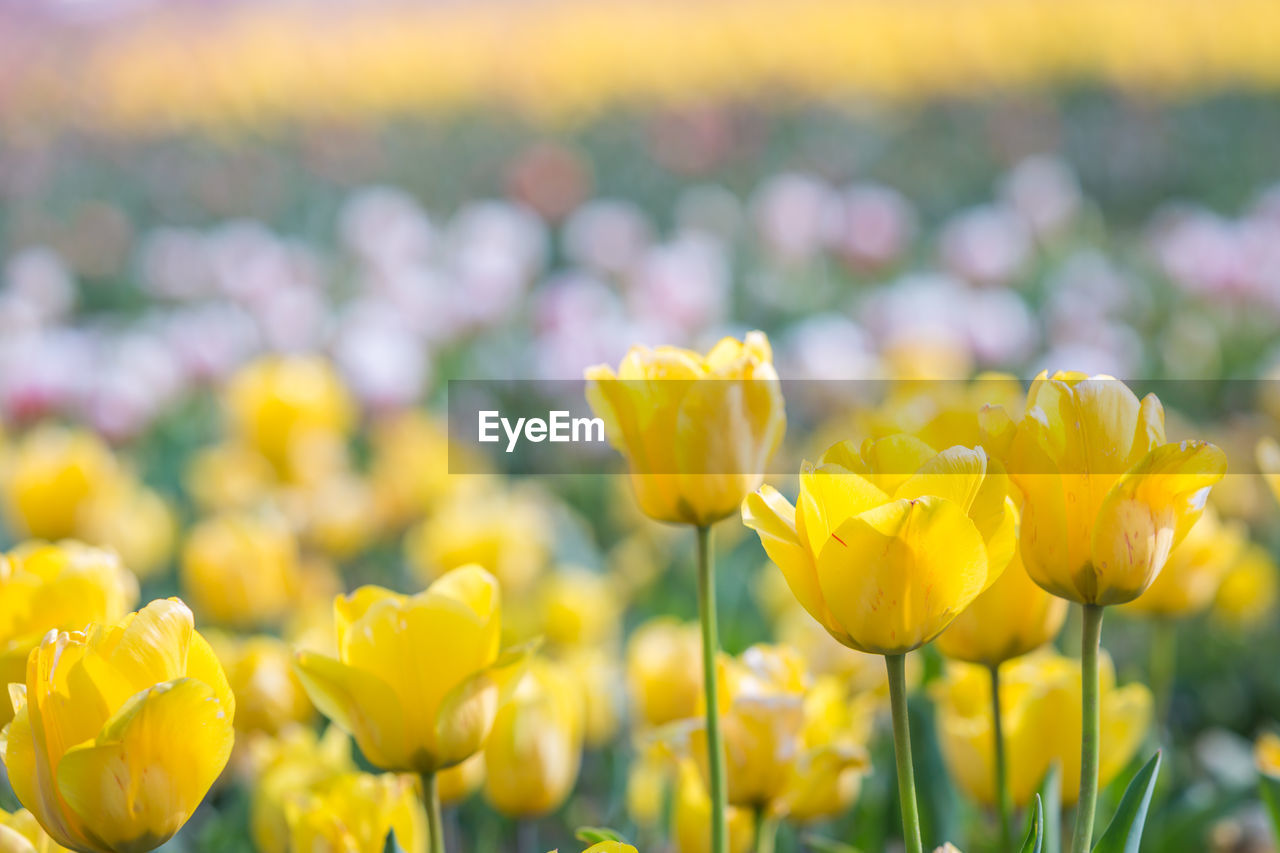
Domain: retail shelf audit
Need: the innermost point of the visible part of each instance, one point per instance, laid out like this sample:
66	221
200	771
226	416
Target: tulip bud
53	474
697	431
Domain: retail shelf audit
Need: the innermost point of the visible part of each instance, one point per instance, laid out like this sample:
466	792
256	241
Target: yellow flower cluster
566	58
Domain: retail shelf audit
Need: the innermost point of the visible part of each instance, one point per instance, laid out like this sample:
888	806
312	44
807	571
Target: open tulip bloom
885	545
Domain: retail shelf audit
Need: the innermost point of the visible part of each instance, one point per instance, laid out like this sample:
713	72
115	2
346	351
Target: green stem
897	667
1091	642
710	646
1163	666
435	825
766	831
1002	769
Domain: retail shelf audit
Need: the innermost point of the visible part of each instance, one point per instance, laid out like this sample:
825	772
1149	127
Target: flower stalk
897	668
710	646
435	823
1003	799
1091	642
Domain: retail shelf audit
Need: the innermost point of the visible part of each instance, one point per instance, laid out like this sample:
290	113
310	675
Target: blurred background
244	245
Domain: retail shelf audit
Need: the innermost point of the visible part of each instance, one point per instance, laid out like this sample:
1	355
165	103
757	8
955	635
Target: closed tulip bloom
64	587
20	832
415	680
52	475
1040	706
1106	498
241	569
1012	618
535	749
279	402
1195	569
888	544
664	676
1266	755
119	731
355	813
697	431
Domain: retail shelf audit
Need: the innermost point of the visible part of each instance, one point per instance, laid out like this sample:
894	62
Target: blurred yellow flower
51	474
460	781
508	531
1195	569
1248	594
1040	707
1269	464
691	816
1012	618
697	431
664	671
415	680
649	779
228	476
598	674
20	832
259	668
409	471
888	544
533	754
144	703
135	522
293	762
1266	755
64	587
610	847
241	569
278	403
579	607
336	515
355	813
1105	497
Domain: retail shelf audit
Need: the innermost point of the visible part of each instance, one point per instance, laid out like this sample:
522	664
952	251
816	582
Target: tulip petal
474	587
1268	453
1143	517
464	720
360	703
895	577
152	647
829	494
350	607
956	474
136	785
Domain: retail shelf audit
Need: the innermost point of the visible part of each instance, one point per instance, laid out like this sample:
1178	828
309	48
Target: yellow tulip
692	815
535	749
20	832
697	431
1248	594
649	779
1105	497
578	607
269	696
1266	755
1195	569
415	681
610	847
52	474
409	471
1269	464
886	545
241	570
120	730
1040	707
1012	618
293	762
664	672
64	586
278	403
355	813
507	531
229	476
598	675
336	515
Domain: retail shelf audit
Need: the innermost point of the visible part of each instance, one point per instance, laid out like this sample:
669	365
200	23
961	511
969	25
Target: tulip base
710	647
1091	643
897	668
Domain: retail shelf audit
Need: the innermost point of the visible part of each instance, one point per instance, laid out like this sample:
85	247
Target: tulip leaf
1124	833
1270	788
1051	804
596	834
1034	842
822	844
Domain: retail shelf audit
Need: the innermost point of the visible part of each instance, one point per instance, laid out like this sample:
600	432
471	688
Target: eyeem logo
557	427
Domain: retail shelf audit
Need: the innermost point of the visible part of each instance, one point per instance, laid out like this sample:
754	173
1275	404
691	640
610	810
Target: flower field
935	353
